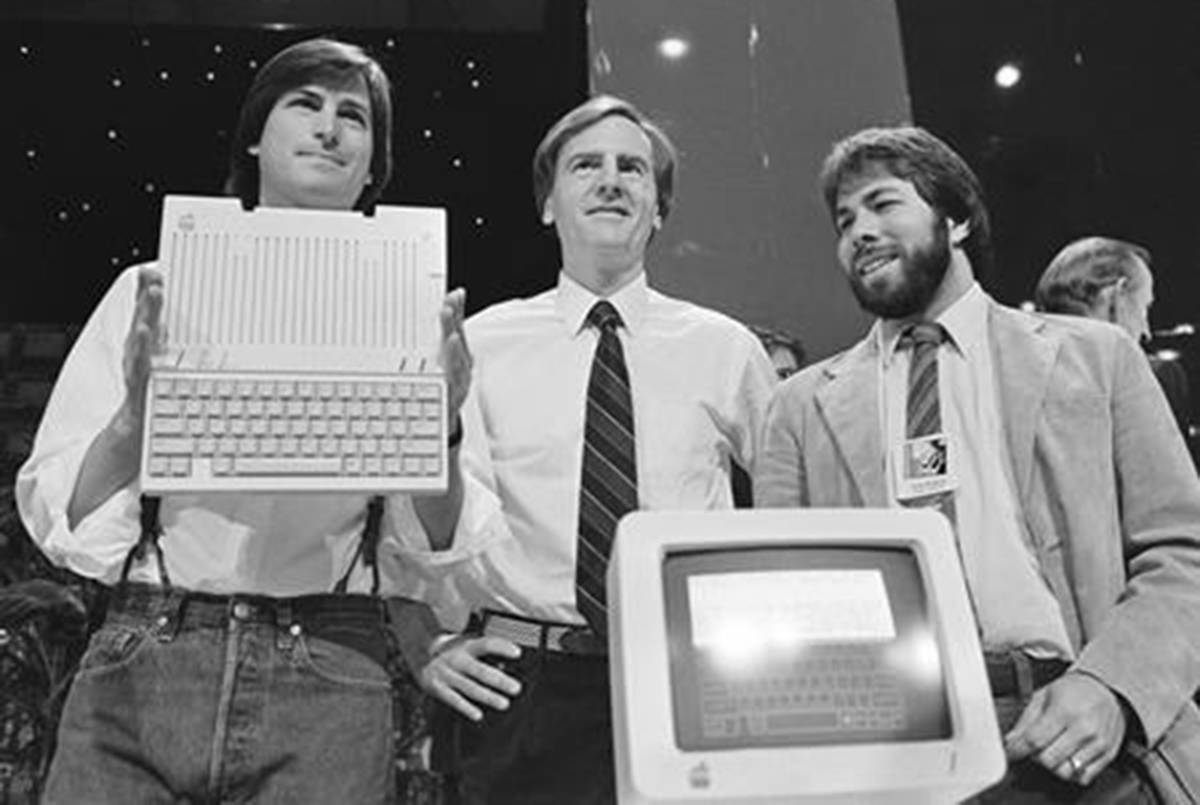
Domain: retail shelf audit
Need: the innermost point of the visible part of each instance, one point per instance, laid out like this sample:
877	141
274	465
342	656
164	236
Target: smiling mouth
330	158
871	262
618	211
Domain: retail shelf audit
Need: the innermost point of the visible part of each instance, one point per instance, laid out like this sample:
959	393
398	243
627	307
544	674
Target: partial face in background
604	200
315	149
893	246
784	361
1131	305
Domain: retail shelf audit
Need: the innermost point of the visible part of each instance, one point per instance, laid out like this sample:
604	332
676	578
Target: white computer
783	656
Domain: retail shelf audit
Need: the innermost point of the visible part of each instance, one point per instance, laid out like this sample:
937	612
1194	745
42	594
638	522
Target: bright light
673	47
1007	76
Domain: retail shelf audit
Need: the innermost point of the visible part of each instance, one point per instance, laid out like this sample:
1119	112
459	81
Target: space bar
247	465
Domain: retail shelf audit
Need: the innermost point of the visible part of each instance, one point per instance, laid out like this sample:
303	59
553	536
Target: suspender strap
149	538
368	547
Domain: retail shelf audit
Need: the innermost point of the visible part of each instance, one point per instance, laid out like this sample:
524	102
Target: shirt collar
965	322
573	301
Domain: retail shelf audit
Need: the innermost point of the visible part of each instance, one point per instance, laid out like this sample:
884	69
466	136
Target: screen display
802	646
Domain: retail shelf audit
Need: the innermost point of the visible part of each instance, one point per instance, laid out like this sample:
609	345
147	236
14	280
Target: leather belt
1005	672
565	638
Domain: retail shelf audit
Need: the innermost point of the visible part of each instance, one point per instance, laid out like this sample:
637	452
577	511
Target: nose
608	178
326	128
863	230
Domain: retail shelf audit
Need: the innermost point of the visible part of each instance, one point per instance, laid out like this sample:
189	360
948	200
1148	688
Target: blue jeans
196	698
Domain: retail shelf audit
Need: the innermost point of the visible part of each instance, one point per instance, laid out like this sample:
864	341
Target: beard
922	270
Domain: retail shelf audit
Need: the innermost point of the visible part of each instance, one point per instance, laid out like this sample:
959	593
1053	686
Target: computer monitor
806	655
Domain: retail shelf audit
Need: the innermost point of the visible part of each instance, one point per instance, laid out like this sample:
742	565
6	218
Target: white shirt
271	544
699	382
1014	607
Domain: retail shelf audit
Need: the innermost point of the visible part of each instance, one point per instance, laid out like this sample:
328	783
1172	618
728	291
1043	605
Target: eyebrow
321	93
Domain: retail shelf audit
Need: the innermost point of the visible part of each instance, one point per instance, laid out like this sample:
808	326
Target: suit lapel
1024	358
849	404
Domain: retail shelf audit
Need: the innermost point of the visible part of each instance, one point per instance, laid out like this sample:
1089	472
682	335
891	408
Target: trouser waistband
565	638
355	621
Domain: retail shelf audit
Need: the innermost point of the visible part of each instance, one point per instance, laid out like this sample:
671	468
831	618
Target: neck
602	278
958	280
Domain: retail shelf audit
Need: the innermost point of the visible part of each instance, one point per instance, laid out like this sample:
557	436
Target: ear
657	222
252	149
1106	302
959	232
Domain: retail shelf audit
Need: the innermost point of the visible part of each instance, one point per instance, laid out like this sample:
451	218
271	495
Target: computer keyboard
843	690
269	431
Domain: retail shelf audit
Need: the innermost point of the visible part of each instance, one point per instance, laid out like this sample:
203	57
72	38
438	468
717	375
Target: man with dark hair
244	649
1110	280
589	400
1075	508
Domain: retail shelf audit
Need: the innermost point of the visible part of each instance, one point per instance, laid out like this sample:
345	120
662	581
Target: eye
635	167
306	101
354	115
585	164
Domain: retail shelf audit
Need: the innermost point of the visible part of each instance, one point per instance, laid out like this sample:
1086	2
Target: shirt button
241	610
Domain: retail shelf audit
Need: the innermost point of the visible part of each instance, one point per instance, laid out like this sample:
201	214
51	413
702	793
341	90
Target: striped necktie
608	484
923	410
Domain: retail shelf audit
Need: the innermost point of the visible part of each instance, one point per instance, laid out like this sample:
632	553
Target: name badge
925	466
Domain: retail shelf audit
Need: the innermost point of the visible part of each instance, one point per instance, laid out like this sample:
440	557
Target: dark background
112	103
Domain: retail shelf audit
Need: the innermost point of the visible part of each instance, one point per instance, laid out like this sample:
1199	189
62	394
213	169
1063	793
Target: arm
779	474
1140	663
112	460
90	389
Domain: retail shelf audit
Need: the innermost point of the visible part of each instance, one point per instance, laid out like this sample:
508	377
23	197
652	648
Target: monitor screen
804	645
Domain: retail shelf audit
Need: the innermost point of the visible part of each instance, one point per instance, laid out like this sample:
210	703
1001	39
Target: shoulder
1089	338
673	317
512	313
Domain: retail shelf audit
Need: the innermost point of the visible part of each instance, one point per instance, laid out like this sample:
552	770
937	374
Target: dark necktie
608	484
923	409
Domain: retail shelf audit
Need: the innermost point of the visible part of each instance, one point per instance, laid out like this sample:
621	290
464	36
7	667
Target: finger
455	700
477	693
490	676
452	315
494	645
1018	742
1065	756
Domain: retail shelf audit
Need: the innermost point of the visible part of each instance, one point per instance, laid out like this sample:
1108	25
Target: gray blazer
1105	484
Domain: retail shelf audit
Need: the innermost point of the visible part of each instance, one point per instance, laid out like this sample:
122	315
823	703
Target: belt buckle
582	640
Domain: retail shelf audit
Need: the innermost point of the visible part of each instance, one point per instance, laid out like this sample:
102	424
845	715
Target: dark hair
778	339
587	114
1073	280
314	61
940	176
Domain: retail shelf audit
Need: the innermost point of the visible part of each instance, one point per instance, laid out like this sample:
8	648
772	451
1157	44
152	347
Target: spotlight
1008	76
672	47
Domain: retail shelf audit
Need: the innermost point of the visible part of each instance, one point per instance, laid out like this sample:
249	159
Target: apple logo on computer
698	776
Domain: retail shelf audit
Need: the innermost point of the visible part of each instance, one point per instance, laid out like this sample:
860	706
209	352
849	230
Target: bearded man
1049	446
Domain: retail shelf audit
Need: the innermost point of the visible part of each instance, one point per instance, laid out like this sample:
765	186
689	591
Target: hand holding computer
460	675
455	355
1074	727
145	335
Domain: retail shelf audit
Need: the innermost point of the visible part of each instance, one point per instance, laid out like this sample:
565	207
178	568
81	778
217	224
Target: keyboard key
167	426
317	465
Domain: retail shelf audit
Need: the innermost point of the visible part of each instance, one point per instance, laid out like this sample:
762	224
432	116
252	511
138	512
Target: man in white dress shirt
697	385
243	654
